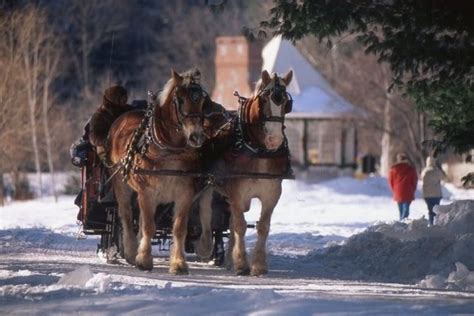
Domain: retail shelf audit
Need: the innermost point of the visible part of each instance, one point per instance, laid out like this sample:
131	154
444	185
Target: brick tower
238	66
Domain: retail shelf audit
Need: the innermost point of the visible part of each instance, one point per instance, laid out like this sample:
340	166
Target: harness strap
213	178
113	174
157	141
221	128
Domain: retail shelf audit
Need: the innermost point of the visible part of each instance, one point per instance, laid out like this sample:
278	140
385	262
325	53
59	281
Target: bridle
195	93
276	91
242	142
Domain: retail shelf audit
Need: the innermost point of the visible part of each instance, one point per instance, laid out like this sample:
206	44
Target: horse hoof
258	271
179	270
144	268
145	264
204	250
130	261
243	271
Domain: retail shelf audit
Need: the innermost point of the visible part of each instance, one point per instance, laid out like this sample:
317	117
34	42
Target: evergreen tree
429	45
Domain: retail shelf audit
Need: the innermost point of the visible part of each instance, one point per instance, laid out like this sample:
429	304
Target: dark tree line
128	42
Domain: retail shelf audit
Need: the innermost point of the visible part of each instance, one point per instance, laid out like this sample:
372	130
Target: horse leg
204	244
239	227
180	222
144	260
259	256
230	246
124	196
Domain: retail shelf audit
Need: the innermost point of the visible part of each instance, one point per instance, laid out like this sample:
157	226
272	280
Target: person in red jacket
403	179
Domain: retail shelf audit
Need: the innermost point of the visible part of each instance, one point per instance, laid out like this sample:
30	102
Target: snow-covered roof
311	92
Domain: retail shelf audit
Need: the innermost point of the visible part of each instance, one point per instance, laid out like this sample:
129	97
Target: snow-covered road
65	283
44	270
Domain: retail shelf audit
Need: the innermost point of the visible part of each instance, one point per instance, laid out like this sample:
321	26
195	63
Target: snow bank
460	279
35	286
405	251
83	278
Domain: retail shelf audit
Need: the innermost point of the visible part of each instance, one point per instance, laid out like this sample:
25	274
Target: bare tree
93	23
14	123
176	45
52	53
31	52
386	143
30	28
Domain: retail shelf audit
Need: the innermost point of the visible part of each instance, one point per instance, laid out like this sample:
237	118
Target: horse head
182	102
268	108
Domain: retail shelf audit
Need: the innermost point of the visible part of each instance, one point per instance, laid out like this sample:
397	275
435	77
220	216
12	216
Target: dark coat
113	105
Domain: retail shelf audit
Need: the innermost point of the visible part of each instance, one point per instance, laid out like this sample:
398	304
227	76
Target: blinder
289	104
277	91
195	93
277	96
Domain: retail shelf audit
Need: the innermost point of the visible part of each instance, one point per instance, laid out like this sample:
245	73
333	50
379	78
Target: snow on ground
323	259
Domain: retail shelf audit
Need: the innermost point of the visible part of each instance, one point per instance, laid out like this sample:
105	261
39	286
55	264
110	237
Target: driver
114	104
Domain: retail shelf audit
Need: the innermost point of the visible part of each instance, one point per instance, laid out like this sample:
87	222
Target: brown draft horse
177	133
262	150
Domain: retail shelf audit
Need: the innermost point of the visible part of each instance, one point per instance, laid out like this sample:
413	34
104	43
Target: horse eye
194	96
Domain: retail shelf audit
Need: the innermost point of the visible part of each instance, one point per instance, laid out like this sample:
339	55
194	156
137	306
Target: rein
211	176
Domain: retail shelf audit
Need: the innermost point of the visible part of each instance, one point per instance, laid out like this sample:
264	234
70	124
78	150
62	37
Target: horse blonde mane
165	93
190	76
258	85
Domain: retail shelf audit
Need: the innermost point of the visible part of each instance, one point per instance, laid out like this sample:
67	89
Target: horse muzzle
196	140
273	142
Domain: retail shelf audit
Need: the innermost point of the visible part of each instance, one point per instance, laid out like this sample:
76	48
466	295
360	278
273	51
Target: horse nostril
195	138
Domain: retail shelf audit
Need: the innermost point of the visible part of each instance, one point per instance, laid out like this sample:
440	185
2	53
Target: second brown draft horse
176	133
256	146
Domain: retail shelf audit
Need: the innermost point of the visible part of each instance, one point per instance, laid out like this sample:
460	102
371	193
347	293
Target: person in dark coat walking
114	104
403	179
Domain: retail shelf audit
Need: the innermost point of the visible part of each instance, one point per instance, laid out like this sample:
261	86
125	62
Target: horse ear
265	78
176	77
288	77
